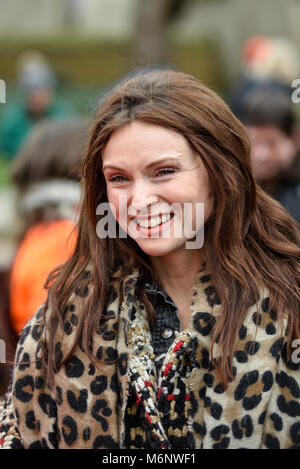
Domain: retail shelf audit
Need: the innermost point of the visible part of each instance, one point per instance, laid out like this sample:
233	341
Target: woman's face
157	185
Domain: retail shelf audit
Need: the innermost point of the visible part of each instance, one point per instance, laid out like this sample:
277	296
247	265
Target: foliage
4	172
93	63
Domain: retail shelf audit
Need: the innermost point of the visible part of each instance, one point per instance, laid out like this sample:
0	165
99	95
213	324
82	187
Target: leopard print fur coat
127	403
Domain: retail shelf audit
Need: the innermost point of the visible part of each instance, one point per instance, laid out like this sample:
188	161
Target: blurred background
58	57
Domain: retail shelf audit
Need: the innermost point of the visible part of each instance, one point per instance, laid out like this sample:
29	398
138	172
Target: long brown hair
250	240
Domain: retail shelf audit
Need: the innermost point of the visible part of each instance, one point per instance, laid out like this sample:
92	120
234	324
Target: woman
145	341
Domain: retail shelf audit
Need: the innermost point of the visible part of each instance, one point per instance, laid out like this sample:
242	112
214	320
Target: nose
143	195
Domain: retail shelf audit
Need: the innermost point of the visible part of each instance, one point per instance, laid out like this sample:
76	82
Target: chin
157	247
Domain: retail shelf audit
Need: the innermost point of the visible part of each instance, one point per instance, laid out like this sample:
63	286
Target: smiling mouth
153	222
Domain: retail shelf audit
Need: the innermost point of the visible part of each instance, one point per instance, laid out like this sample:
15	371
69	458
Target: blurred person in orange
47	173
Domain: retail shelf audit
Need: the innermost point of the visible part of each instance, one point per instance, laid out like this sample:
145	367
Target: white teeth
144	224
153	222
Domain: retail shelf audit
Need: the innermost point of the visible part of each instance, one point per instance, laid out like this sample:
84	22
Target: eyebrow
175	159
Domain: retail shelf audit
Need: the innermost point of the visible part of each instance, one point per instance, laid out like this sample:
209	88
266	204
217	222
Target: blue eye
165	172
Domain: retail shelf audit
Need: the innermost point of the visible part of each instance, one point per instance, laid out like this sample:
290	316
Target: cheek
205	196
118	199
171	192
199	189
184	189
113	198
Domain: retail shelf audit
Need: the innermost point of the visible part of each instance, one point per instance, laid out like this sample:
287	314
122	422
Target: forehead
145	140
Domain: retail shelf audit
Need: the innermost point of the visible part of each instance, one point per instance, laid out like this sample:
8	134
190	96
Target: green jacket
16	123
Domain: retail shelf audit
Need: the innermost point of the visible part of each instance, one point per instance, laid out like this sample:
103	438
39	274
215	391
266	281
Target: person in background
274	136
267	62
47	173
35	101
